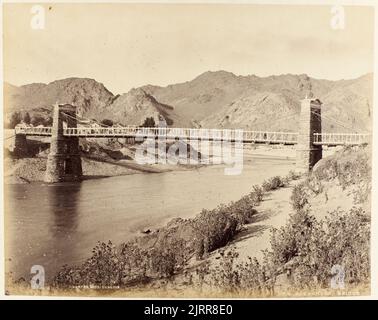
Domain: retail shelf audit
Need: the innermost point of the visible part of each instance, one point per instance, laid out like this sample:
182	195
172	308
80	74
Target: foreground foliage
302	256
172	247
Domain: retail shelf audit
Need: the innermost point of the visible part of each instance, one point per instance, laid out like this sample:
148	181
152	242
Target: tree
14	120
26	117
36	120
107	122
148	123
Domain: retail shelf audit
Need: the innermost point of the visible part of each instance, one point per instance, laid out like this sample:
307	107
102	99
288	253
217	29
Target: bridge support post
20	145
310	122
63	162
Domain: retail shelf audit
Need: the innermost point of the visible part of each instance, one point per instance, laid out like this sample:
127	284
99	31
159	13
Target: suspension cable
275	120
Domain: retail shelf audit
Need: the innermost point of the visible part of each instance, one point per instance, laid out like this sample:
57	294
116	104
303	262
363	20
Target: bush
14	119
308	249
149	123
226	275
215	228
131	265
257	194
107	122
135	264
314	184
242	210
272	183
350	167
299	197
292	175
101	270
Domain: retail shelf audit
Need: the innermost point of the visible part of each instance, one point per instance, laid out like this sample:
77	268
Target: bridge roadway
232	135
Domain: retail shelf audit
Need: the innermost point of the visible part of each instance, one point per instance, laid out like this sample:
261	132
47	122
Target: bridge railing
203	134
169	133
266	136
35	131
185	133
341	138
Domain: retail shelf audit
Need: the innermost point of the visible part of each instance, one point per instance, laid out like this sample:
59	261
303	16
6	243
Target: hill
87	94
223	100
212	100
92	98
135	106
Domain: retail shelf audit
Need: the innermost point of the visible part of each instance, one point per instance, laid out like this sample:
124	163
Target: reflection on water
64	204
53	225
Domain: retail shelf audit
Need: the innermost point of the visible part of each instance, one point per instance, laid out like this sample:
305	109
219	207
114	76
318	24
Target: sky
130	45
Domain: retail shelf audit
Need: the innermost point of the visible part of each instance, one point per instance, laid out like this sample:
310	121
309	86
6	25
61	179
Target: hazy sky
129	45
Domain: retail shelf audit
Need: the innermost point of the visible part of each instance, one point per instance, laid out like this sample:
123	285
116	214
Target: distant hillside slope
213	99
135	106
87	94
91	97
222	99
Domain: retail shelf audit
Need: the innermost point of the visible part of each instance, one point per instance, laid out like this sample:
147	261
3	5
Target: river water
53	225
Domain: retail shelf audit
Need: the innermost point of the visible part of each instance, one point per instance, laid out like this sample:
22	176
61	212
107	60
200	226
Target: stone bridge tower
309	123
63	162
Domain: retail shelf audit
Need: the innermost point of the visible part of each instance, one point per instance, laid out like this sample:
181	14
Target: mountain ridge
218	99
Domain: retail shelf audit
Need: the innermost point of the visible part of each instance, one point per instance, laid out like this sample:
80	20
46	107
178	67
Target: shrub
226	275
14	119
214	228
351	166
242	210
309	249
135	264
292	175
272	183
107	122
314	184
362	193
149	122
102	269
299	197
131	265
257	194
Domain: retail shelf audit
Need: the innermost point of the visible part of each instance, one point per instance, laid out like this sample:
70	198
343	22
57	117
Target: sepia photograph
187	150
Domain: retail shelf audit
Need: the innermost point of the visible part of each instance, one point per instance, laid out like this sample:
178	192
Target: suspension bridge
64	159
245	136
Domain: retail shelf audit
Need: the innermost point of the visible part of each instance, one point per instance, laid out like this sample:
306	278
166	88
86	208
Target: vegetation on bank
168	251
305	251
302	256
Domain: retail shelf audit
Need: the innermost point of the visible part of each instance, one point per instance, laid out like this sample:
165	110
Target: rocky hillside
135	106
92	98
222	99
213	99
87	94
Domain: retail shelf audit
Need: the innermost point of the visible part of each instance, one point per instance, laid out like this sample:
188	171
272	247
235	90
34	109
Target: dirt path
273	212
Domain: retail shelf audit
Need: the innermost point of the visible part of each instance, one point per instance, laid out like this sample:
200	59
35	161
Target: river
53	225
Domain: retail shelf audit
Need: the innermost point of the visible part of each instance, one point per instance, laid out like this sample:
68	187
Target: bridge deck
332	139
289	138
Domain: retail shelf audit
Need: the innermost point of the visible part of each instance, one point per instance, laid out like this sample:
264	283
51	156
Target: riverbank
100	165
26	170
